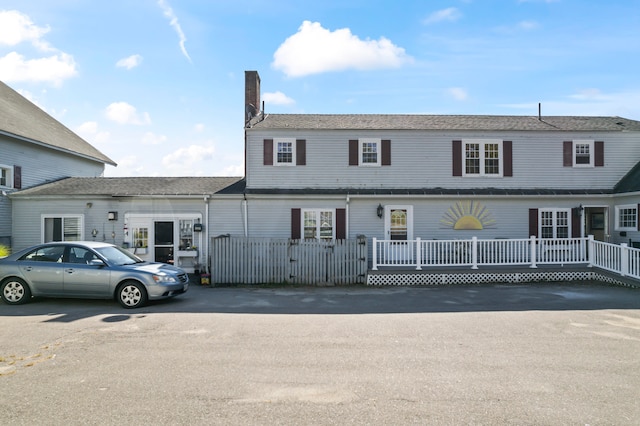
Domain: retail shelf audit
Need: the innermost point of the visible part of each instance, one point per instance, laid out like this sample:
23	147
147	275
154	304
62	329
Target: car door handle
69	270
28	268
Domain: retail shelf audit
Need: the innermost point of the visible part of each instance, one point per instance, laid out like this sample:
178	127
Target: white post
624	259
418	254
474	252
532	247
591	247
374	253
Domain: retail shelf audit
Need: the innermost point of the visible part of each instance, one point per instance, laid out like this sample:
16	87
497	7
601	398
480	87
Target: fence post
474	252
418	254
624	259
591	251
374	254
533	251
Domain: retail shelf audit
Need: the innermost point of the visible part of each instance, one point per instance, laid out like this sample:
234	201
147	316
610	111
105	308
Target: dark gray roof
429	191
442	122
131	186
630	182
20	117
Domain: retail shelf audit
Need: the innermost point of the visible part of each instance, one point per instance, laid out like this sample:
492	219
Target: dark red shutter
17	177
533	222
301	152
599	148
575	222
295	223
353	152
567	154
268	152
341	224
638	216
386	152
457	158
507	151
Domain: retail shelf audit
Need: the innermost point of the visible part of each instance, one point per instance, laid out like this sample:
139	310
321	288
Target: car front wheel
14	291
132	295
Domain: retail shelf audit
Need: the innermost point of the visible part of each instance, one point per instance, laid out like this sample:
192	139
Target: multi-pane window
318	224
140	237
554	223
583	153
626	217
64	228
6	176
369	152
483	158
284	152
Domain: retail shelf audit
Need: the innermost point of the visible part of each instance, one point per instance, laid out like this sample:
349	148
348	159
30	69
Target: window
6	176
554	223
369	153
140	237
583	153
64	228
318	224
285	152
627	218
186	234
482	158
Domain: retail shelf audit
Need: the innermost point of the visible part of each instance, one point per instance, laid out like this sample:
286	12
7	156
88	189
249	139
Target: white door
398	222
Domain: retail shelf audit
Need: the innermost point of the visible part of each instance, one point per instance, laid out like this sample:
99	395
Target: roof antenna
540	111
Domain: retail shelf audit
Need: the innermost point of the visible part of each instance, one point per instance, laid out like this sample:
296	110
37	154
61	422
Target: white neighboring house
35	149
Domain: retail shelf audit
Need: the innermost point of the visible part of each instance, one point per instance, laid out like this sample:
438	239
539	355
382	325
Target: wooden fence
277	260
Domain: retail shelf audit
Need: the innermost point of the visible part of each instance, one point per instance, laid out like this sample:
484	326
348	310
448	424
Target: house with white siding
36	149
398	177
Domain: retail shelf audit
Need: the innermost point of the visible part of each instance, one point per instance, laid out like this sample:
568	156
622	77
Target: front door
163	242
399	229
596	223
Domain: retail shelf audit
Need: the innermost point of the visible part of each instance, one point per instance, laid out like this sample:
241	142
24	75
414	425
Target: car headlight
164	279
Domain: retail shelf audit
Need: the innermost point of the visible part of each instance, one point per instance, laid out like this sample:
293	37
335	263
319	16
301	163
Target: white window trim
592	152
9	169
318	211
626	228
61	216
292	141
378	143
555	221
482	143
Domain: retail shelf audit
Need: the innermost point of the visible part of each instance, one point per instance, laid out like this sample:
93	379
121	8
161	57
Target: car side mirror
96	262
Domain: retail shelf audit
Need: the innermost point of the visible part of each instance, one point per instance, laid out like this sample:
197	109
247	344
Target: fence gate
279	260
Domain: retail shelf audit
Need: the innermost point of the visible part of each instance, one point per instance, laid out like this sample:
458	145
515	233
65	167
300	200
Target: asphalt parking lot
499	354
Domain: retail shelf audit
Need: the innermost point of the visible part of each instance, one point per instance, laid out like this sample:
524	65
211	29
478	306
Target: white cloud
129	62
198	128
124	113
458	93
16	27
55	69
277	98
89	132
450	14
528	25
314	49
173	21
151	138
187	158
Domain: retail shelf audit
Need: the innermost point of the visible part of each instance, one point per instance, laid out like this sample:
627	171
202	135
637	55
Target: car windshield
117	256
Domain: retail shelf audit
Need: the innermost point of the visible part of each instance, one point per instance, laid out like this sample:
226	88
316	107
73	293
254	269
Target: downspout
245	210
206	233
346	219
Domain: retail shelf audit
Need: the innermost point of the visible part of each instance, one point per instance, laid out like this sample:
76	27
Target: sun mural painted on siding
467	215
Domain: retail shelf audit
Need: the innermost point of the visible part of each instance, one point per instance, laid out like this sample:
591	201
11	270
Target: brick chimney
251	95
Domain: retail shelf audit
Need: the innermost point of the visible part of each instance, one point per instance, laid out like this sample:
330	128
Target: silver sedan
87	269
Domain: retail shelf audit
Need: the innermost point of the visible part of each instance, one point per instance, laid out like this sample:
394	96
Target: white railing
532	251
621	259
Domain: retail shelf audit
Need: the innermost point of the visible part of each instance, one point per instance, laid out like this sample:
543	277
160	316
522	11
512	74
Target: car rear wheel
14	291
132	294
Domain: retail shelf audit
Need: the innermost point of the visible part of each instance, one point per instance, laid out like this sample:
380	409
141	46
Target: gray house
35	149
397	177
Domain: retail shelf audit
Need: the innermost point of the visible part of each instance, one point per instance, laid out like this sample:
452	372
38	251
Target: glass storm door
163	242
399	229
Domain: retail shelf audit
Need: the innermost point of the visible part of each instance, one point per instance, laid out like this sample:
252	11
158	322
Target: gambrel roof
442	122
21	119
131	186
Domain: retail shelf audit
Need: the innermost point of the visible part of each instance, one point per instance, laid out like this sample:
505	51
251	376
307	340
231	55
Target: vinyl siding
423	159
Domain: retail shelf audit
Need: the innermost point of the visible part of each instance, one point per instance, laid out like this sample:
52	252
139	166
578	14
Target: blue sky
158	85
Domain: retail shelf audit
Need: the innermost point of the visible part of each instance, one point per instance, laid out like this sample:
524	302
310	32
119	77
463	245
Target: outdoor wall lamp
112	216
94	232
380	211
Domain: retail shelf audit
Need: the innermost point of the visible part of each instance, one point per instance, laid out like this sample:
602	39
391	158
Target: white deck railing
531	251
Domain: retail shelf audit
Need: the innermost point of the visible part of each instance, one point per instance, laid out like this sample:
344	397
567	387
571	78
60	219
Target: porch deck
495	274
